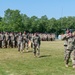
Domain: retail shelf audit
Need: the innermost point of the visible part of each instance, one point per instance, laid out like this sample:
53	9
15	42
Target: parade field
50	62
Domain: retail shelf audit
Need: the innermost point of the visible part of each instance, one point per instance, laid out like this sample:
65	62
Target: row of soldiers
47	36
21	41
11	39
69	46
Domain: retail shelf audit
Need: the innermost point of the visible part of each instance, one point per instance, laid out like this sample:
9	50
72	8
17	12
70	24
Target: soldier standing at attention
20	42
27	42
6	39
24	40
12	38
69	46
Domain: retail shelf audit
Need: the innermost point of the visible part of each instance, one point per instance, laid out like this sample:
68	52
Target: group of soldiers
21	41
69	46
26	40
47	36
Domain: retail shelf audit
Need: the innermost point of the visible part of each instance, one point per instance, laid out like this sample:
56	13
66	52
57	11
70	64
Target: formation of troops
11	39
69	46
47	36
24	40
21	41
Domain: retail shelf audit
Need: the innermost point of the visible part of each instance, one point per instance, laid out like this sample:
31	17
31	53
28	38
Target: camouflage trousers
73	57
65	49
20	46
3	43
12	43
68	54
26	45
7	43
36	48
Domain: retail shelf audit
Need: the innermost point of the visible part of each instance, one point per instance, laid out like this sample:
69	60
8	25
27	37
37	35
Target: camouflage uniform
32	41
69	46
24	38
27	41
36	44
6	39
12	38
20	42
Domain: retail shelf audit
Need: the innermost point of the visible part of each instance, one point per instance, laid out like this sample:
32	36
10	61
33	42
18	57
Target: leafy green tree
13	20
25	21
34	24
52	25
70	22
43	23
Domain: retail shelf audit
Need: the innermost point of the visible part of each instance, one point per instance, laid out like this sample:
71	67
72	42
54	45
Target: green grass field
51	61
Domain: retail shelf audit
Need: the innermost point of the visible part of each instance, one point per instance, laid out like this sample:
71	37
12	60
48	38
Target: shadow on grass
45	56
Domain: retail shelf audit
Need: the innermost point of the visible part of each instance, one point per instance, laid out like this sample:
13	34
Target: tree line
15	21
